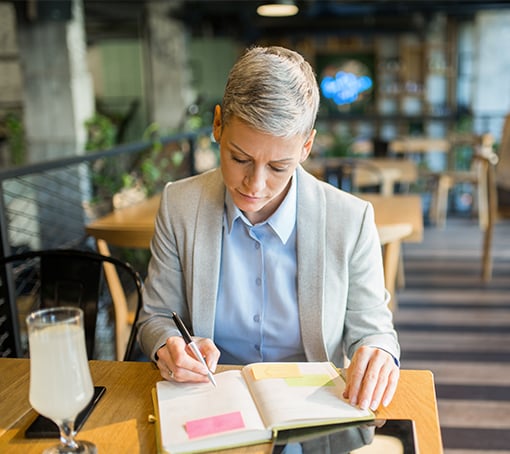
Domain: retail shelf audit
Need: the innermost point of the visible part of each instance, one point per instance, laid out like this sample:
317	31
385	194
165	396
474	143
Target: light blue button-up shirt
257	314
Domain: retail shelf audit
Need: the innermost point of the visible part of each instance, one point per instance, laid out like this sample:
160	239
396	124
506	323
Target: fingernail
364	404
386	402
374	405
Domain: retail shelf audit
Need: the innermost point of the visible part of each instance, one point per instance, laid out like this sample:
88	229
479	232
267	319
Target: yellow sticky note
281	370
310	380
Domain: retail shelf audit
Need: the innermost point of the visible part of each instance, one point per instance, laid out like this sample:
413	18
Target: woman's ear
307	147
217	123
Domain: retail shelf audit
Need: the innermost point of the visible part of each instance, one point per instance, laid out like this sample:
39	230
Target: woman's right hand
177	362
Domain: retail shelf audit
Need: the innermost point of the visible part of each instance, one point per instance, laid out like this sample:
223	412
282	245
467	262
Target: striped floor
453	324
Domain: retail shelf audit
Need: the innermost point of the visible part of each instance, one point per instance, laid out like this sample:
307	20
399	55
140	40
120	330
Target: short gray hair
274	90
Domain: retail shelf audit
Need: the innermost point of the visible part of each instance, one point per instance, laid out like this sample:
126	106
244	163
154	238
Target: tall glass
60	381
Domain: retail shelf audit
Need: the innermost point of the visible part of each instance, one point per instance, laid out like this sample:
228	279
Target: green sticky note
310	380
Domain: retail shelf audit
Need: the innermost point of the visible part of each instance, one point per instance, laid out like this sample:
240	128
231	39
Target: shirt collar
282	221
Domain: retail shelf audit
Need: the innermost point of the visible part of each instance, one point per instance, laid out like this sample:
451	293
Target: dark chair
71	277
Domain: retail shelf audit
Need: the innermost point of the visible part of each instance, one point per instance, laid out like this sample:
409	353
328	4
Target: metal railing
47	205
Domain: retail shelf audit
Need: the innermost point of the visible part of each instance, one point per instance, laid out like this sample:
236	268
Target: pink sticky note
214	424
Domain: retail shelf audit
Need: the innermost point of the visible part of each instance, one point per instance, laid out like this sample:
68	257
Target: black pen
187	338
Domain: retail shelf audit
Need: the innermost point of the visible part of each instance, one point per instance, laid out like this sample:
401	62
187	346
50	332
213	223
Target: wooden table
407	168
398	218
134	226
394	215
130	227
398	209
419	145
120	422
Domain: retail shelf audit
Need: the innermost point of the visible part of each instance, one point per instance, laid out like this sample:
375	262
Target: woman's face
256	166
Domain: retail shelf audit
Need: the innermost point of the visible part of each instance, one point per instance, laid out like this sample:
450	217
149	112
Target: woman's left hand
371	379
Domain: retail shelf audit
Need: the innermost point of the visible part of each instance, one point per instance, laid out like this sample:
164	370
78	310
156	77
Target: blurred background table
131	226
367	172
418	145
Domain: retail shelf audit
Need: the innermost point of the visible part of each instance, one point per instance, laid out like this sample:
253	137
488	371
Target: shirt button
257	347
256	318
258	281
257	245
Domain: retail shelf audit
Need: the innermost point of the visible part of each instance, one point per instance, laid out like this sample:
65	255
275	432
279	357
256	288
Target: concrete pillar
57	100
168	76
57	88
10	81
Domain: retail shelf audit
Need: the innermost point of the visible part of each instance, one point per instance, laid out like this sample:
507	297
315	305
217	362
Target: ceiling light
278	9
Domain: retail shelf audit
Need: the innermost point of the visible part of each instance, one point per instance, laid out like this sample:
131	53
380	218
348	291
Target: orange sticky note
214	424
280	370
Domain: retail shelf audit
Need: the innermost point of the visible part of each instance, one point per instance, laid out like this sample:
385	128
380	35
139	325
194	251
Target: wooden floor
453	324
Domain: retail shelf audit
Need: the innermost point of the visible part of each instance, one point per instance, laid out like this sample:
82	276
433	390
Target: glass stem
67	436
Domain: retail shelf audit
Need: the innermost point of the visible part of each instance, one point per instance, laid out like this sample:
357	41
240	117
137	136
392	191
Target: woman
261	260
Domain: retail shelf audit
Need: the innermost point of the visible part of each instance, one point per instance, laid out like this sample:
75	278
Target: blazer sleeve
164	290
368	319
184	267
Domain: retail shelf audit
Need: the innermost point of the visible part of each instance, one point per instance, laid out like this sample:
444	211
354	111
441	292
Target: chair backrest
70	277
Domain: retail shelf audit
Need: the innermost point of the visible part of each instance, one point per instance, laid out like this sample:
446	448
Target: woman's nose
255	180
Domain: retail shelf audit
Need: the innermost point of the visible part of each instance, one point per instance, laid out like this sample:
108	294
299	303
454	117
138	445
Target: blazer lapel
311	239
310	260
206	254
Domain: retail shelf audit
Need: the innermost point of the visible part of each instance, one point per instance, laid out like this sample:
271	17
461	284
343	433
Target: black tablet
392	436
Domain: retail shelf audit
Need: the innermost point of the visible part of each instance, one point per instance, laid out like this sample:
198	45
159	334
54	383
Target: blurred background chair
483	161
482	175
101	285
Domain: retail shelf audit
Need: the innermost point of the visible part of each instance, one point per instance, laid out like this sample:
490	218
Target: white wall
491	95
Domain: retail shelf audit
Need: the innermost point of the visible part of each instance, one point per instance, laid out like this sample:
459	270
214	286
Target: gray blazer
341	296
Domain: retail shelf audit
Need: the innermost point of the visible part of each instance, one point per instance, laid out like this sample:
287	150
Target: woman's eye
279	169
241	161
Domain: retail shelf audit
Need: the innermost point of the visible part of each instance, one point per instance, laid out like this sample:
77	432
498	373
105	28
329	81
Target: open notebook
251	406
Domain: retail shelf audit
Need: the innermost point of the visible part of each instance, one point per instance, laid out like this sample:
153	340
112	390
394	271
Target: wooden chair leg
120	305
391	257
401	275
487	254
444	184
492	214
482	203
